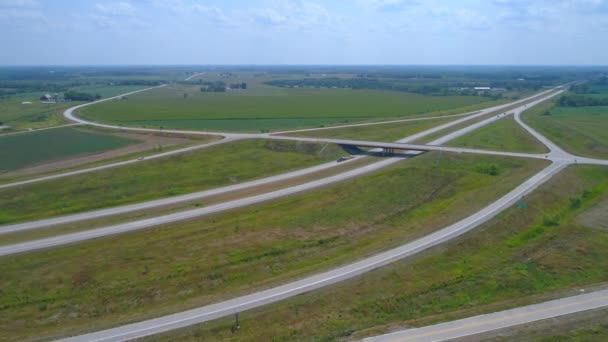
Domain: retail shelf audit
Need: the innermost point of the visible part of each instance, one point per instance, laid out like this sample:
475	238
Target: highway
146	223
227	137
5	229
498	320
229	307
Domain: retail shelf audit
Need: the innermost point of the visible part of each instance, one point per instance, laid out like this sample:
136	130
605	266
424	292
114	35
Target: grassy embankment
529	253
385	132
465	124
139	275
27	149
35	115
211	167
579	130
269	108
502	135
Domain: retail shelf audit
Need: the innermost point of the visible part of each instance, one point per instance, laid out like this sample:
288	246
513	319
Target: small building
482	88
46	98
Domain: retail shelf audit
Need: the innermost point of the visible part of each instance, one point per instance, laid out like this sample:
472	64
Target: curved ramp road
498	320
229	307
151	204
188	214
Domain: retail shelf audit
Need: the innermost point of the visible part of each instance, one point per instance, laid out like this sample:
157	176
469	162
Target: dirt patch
148	141
596	217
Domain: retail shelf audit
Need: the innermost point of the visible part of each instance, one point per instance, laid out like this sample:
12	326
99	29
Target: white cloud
115	9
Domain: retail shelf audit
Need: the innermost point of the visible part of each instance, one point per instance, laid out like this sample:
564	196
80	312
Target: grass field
20	116
384	132
503	135
219	165
27	149
519	257
268	108
579	130
127	278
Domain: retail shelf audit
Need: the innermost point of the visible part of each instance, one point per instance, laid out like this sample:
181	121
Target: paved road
5	229
32	245
264	297
229	307
193	76
178	199
498	320
188	214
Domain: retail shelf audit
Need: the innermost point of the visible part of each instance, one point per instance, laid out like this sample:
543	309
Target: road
229	307
498	320
225	308
5	229
198	195
146	223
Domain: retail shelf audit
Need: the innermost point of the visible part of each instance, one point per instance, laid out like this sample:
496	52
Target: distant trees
581	101
242	85
79	96
213	87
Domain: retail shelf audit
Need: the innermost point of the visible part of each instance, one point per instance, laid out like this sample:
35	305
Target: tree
185	95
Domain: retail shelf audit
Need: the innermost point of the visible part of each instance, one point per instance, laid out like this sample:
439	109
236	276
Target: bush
488	169
550	221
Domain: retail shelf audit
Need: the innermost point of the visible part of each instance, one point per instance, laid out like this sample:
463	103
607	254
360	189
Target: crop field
215	166
529	253
126	278
26	149
579	130
502	135
269	109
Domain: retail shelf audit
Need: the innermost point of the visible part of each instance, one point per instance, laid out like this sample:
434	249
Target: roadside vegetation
532	252
578	126
225	164
385	132
27	149
139	275
502	135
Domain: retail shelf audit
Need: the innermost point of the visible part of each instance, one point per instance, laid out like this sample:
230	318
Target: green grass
144	274
503	135
511	260
215	166
579	130
21	150
384	132
35	115
268	108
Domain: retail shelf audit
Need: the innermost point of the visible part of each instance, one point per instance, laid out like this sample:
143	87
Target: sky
226	32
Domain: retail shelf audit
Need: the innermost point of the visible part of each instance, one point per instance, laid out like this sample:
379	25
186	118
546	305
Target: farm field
579	130
31	148
529	253
224	164
502	135
270	109
126	279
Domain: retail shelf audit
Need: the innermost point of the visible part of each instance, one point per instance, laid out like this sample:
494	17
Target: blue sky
304	32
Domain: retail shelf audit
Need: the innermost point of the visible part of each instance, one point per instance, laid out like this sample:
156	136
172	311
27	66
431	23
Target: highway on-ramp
498	320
